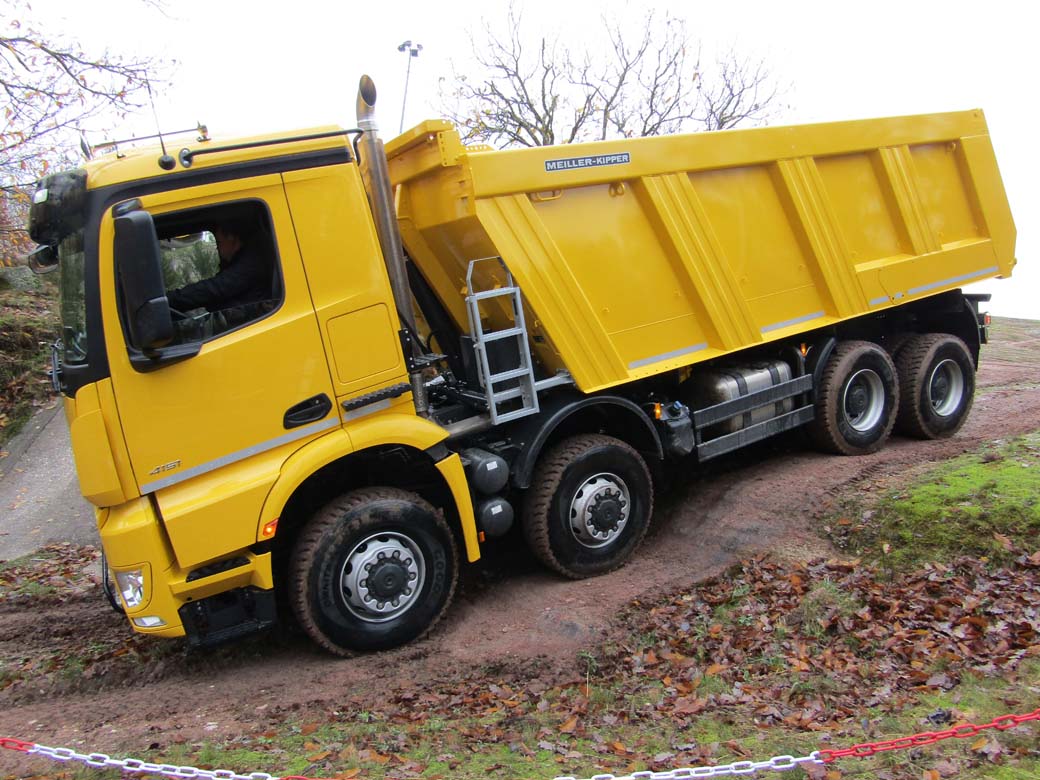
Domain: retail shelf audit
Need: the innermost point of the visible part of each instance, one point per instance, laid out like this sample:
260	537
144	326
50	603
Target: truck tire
589	505
375	532
856	401
936	385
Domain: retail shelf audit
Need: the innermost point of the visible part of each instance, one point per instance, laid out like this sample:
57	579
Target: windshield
73	299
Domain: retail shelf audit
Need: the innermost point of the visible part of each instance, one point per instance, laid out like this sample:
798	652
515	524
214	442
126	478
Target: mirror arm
152	359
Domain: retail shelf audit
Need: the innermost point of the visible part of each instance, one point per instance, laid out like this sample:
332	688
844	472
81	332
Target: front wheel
590	505
374	569
937	386
856	400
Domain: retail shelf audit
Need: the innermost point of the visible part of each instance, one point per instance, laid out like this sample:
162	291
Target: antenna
166	162
88	153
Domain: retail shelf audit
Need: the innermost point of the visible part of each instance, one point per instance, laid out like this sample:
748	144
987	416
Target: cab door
208	434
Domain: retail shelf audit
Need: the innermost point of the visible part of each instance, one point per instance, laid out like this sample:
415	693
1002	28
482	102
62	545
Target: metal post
413	51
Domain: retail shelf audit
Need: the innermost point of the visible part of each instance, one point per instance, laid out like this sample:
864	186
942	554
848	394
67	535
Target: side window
220	267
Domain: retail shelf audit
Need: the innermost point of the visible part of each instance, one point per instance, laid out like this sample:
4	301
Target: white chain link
133	765
775	764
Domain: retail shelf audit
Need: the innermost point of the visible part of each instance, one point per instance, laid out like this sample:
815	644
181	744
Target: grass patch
984	505
1013	341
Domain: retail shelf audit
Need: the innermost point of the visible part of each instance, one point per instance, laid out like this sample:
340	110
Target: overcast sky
254	66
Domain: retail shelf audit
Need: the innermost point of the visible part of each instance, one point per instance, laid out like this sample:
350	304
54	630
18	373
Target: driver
244	276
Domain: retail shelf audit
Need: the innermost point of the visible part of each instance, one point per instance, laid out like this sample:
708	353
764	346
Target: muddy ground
509	616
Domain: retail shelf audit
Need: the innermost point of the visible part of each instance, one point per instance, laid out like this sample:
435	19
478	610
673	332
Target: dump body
641	256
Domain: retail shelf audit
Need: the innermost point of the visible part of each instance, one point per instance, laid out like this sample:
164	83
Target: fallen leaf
1004	542
373	755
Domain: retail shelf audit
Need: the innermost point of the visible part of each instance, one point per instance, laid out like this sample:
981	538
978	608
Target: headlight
149	621
131	587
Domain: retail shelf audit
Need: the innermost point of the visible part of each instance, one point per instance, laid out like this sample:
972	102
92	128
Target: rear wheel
589	507
856	401
937	386
374	569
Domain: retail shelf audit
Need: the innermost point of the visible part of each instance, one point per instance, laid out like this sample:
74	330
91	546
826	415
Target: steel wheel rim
382	577
946	388
863	401
599	510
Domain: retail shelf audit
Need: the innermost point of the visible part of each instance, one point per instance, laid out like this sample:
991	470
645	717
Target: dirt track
508	615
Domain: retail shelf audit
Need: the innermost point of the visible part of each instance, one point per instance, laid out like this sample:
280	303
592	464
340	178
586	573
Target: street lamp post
413	50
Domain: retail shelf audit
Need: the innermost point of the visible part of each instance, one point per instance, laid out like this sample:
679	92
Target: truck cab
192	430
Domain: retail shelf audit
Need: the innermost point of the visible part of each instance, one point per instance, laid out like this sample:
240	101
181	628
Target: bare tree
527	99
537	92
743	90
50	87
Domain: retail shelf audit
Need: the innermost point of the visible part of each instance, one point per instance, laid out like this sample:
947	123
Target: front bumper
177	601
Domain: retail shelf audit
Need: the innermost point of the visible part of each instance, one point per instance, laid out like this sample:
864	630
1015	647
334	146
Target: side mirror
139	268
43	259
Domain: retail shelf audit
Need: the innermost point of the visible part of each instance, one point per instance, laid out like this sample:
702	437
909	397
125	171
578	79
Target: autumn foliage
50	89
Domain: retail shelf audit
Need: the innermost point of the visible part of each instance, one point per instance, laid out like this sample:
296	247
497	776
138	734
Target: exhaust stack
376	175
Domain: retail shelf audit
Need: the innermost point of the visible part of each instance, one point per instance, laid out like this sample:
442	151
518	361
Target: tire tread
823	430
546	480
309	543
912	358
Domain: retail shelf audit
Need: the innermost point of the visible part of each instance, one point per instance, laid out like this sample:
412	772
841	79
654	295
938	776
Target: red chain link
16	744
962	731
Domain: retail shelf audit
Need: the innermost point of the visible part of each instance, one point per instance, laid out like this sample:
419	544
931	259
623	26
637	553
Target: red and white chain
863	750
775	764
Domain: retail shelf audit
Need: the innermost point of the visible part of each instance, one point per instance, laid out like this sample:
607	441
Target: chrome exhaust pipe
376	176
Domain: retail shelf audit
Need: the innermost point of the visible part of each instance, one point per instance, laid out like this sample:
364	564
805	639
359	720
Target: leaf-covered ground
28	324
769	658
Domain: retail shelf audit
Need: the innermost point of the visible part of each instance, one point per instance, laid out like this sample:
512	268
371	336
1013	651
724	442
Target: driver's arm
214	293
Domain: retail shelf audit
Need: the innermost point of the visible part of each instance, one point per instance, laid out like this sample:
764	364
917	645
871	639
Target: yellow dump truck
433	340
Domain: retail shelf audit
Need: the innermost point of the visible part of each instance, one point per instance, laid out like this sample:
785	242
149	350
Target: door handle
311	410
